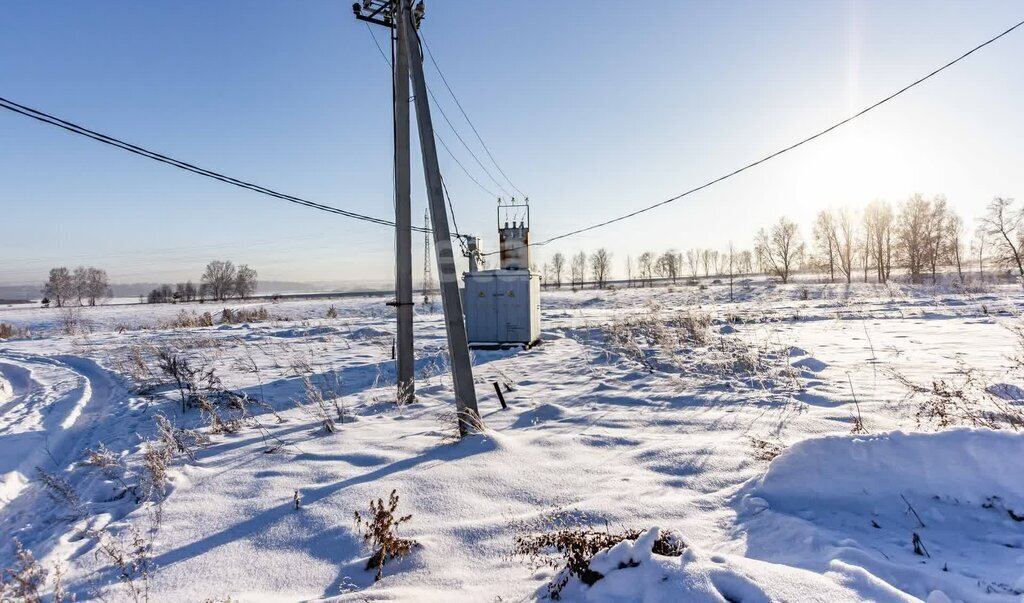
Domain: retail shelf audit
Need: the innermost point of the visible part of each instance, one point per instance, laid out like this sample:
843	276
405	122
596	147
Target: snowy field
802	443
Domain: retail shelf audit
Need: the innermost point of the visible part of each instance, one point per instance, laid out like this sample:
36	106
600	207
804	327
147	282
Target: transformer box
502	308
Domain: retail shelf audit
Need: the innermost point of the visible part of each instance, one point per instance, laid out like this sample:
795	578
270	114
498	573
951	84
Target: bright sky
592	108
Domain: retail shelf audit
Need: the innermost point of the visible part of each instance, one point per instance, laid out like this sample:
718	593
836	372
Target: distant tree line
82	286
918	236
220	281
89	286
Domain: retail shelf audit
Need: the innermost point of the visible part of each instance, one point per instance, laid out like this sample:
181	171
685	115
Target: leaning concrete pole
455	322
403	225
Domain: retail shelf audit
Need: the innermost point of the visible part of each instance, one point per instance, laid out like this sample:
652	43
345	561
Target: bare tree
780	249
824	242
245	281
91	285
705	260
646	265
913	235
693	261
936	245
978	245
745	262
601	266
629	270
557	268
60	287
844	239
668	264
878	227
1002	227
579	269
732	262
954	236
219	278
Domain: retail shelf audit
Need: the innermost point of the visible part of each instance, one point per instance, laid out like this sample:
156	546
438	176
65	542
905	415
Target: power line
459	163
143	152
468	120
436	135
776	153
469	150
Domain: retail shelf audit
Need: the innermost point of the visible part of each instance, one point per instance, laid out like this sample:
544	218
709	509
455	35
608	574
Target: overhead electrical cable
143	152
468	120
776	153
436	135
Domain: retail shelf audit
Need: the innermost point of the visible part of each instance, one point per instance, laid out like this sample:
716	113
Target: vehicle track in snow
54	406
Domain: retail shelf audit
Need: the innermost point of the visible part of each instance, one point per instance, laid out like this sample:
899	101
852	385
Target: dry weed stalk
9	331
570	548
316	407
379	531
132	559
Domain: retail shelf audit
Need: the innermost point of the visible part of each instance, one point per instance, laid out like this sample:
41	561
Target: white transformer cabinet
502	308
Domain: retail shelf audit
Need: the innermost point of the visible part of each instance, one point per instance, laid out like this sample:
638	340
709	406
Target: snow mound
369	333
939	516
632	572
963	464
304	332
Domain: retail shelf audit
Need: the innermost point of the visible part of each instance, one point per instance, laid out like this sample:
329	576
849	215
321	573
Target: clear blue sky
592	108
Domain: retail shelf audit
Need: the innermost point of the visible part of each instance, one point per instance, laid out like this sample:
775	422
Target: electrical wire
437	136
189	167
468	120
776	153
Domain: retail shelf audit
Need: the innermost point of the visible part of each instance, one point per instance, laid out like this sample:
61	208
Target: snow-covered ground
774	434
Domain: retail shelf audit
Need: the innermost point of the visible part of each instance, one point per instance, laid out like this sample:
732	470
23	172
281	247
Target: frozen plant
571	549
133	560
379	529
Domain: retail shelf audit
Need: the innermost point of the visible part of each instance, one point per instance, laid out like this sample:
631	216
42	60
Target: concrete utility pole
399	15
451	301
403	226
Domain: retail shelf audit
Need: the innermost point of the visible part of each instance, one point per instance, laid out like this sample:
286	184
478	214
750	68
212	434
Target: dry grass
966	399
766	450
61	492
71	323
189	320
683	343
379	529
230	316
9	331
570	543
316	407
132	556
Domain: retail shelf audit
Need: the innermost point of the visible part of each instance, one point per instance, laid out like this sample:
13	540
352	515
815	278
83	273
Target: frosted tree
219	278
780	249
579	269
646	266
557	268
60	287
877	238
668	264
693	261
1002	228
954	236
601	266
913	235
245	281
824	242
